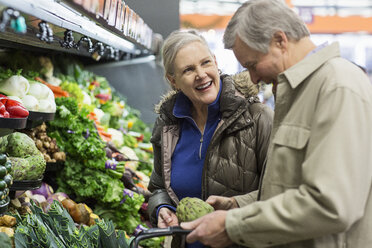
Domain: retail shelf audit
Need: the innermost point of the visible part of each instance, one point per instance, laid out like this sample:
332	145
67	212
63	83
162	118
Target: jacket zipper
201	145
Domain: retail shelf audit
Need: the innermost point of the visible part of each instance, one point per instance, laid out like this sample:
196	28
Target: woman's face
196	74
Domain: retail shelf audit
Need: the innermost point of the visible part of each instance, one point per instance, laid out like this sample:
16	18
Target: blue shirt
188	157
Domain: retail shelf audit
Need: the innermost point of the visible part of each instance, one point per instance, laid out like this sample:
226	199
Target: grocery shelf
71	31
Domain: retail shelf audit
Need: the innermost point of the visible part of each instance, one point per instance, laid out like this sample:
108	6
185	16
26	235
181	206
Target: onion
45	190
59	196
38	198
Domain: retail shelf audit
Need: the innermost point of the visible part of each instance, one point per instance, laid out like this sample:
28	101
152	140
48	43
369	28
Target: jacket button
249	120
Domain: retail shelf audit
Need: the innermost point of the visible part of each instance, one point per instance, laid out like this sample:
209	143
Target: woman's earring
219	71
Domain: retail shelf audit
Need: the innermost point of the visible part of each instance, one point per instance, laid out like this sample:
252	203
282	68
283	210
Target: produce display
10	108
57	229
27	161
46	145
191	208
6	180
102	185
33	95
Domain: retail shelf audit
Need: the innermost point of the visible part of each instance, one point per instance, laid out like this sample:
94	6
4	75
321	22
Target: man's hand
222	203
209	229
167	218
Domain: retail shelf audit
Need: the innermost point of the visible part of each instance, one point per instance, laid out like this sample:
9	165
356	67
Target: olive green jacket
316	188
236	153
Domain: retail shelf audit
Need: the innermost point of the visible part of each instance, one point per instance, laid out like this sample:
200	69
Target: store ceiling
319	7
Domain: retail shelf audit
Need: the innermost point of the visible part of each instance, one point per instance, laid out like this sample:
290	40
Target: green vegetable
3	171
57	229
3	185
29	168
5	241
2	159
9	180
3	144
21	145
8	166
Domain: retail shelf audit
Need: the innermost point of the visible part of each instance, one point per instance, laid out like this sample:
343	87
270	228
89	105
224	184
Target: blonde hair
174	42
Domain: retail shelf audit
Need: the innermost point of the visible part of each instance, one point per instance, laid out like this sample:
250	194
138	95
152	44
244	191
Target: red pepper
140	138
3	100
3	112
95	83
15	109
103	96
5	115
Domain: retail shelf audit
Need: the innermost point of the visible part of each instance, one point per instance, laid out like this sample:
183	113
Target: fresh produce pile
57	229
27	161
46	145
27	92
6	180
11	108
105	145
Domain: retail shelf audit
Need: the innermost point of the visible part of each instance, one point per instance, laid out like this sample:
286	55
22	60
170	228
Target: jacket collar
300	71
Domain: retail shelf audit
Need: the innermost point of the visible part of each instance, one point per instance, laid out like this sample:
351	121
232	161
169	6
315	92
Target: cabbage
15	86
39	90
47	106
30	103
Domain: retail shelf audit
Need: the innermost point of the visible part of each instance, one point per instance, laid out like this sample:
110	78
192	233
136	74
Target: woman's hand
222	203
167	218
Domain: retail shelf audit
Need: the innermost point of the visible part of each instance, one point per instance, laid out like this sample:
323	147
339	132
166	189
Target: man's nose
254	77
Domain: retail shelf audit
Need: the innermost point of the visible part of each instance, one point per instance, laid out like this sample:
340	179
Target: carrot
57	90
99	128
105	134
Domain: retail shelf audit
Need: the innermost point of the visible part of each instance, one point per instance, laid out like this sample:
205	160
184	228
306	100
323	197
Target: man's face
262	67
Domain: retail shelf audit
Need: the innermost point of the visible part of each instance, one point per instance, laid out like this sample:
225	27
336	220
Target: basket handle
157	232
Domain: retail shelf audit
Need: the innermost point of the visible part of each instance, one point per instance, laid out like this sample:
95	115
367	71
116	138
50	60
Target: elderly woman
209	138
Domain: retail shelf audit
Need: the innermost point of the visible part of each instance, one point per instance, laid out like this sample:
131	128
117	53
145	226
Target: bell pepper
103	96
3	112
15	109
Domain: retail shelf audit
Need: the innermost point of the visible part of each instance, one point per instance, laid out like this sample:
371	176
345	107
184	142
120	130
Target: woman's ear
215	60
171	81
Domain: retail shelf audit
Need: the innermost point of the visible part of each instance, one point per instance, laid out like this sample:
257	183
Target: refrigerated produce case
101	35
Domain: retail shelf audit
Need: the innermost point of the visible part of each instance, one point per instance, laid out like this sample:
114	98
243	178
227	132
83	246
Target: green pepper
2	159
3	171
9	180
3	185
8	166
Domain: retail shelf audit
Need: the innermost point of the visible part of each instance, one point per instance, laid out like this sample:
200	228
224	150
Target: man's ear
280	40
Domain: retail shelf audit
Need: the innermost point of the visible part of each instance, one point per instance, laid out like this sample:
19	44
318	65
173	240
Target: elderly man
316	188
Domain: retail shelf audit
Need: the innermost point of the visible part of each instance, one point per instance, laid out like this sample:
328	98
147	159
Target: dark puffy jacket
236	154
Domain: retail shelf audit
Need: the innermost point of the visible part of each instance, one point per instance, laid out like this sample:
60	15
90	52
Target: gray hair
174	42
256	21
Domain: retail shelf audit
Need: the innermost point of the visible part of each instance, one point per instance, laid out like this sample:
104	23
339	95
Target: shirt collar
182	107
317	57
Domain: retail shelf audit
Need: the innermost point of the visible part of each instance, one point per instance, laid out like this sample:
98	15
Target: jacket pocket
288	155
292	136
